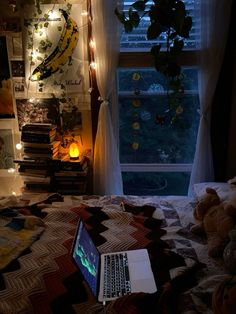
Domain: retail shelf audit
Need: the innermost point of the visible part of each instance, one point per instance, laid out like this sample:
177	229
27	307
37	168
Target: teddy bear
229	253
216	219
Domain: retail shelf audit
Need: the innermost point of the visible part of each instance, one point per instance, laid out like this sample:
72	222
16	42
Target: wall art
18	68
71	117
56	49
40	110
6	149
6	100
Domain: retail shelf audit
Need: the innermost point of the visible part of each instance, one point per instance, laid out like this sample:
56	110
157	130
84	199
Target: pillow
223	189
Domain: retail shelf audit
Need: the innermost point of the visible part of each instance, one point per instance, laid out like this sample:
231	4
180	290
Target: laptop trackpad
140	270
142	277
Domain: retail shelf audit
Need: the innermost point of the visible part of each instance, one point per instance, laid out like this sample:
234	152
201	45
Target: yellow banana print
61	53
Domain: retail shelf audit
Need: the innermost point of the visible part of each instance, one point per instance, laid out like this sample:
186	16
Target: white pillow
223	189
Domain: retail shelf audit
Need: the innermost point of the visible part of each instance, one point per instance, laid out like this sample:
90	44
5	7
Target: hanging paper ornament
136	76
136	103
135	145
136	126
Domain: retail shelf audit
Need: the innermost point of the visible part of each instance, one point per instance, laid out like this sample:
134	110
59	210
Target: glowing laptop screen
86	257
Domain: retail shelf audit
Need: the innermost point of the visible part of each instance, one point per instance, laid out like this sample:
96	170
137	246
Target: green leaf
154	31
155	50
173	69
175	85
134	18
161	62
172	35
178	46
186	27
42	43
139	5
121	16
128	26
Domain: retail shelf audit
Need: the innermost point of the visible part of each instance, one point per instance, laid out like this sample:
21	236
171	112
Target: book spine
37	139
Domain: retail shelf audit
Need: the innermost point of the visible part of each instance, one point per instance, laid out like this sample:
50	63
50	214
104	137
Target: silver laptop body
137	272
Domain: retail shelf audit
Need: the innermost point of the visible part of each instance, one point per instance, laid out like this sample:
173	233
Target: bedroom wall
68	87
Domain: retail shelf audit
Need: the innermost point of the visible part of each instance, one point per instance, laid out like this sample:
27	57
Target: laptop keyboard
116	275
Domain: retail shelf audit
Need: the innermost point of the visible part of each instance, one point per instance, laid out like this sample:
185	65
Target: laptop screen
86	256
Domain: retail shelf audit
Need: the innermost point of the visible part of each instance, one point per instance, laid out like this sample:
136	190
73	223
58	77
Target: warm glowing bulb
84	13
34	54
93	65
52	15
18	146
92	44
11	170
13	193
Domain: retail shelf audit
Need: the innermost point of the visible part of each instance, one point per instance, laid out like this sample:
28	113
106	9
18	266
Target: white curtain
215	16
105	29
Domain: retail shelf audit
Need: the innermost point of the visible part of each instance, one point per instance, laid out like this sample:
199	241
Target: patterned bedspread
44	279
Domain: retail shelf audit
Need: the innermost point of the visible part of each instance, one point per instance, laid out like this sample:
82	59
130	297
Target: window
156	158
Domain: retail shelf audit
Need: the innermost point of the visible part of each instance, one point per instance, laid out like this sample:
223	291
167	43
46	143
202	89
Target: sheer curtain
215	16
105	28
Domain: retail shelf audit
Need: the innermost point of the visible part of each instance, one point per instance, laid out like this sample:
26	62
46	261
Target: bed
39	276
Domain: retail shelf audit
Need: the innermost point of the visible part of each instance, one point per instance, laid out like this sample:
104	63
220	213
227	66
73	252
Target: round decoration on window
135	145
136	76
136	126
136	103
179	110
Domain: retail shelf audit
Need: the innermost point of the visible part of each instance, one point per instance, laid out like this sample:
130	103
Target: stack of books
36	175
39	149
71	177
39	140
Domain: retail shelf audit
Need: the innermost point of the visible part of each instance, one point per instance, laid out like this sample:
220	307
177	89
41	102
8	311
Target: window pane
137	41
142	139
162	183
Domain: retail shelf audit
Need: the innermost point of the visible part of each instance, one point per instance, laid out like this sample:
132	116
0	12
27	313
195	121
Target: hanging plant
168	18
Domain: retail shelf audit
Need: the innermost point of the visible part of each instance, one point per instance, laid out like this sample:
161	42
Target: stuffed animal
216	220
224	296
229	254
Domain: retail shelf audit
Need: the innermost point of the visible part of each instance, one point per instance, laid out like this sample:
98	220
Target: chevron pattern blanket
44	279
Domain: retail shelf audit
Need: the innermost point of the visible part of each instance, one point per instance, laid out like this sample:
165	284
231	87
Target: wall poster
6	149
56	42
6	99
40	110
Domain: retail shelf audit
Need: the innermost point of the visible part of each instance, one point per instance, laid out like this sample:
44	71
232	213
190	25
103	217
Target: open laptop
135	272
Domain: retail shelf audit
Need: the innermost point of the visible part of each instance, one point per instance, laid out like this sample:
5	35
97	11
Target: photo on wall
6	149
6	99
17	50
71	117
39	110
19	87
18	68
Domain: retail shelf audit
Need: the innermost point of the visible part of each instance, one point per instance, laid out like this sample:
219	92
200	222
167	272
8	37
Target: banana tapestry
56	58
62	53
